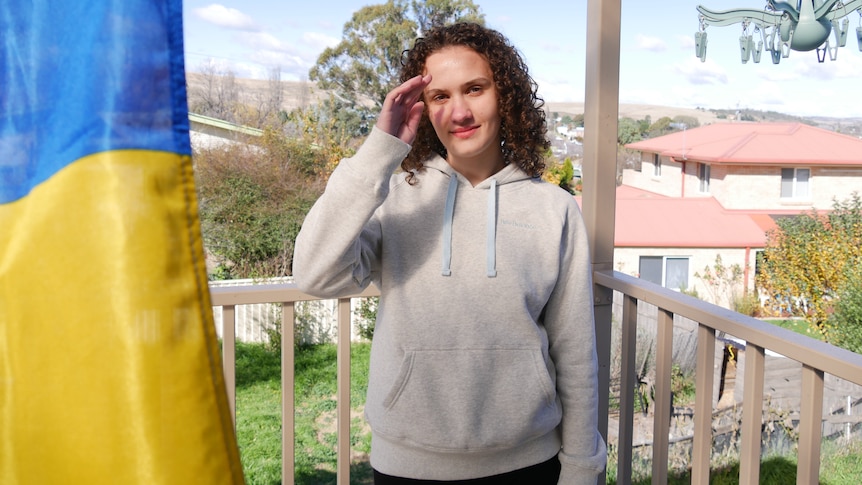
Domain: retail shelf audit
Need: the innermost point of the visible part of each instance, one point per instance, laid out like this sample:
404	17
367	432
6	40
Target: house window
794	183
670	272
703	177
656	164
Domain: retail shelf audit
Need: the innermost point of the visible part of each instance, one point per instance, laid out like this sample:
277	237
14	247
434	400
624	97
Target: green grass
258	404
840	465
259	425
798	325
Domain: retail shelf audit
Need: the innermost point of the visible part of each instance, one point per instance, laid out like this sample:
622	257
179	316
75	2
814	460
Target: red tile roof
758	143
646	219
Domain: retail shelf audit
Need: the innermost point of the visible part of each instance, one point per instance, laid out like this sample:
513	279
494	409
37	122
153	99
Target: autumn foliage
809	260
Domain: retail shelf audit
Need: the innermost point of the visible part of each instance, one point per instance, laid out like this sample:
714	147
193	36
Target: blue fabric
79	78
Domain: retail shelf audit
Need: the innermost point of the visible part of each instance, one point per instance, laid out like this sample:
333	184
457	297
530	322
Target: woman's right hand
402	109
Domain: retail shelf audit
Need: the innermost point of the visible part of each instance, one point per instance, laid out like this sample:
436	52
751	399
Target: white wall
745	187
669	183
317	320
627	260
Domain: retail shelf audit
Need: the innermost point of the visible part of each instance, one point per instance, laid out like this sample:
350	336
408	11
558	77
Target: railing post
704	376
752	414
627	388
603	309
343	392
810	426
228	335
661	420
288	398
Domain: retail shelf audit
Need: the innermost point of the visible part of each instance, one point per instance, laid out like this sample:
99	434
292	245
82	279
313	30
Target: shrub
722	282
845	323
561	174
367	312
747	304
253	199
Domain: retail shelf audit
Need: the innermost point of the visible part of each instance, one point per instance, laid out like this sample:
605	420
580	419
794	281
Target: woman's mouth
465	132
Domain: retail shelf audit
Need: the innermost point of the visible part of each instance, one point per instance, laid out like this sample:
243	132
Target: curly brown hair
523	124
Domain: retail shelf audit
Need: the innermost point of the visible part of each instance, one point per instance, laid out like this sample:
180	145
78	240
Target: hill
297	94
640	111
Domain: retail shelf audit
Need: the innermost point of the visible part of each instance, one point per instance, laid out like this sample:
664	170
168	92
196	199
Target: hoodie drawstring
448	215
491	228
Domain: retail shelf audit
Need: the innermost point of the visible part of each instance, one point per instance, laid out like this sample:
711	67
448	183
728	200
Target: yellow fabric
110	370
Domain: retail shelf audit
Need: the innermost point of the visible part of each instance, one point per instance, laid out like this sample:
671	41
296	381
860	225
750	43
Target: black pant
546	473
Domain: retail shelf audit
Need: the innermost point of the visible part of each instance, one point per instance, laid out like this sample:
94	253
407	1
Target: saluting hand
402	109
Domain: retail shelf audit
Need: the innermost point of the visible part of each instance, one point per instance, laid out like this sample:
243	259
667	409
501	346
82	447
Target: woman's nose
460	110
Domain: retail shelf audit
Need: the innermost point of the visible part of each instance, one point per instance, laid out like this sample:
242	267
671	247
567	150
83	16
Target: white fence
316	320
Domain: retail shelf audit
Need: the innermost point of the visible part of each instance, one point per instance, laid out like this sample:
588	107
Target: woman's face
462	105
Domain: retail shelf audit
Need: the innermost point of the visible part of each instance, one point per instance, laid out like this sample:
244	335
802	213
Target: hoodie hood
509	174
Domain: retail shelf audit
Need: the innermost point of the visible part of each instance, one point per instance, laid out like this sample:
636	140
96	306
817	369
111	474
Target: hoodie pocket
469	400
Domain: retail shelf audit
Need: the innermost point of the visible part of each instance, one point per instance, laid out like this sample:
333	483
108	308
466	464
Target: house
671	241
208	132
774	167
714	191
570	134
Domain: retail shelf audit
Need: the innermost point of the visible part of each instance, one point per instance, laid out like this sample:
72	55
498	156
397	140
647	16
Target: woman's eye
474	89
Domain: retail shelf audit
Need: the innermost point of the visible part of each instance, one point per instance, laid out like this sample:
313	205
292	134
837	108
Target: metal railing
287	295
817	358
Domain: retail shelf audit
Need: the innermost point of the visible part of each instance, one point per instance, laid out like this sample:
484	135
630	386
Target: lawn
840	465
259	426
798	325
258	416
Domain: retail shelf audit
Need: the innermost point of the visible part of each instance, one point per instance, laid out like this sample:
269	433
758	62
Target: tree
644	124
688	121
628	131
807	260
215	92
660	127
434	13
578	120
364	66
217	95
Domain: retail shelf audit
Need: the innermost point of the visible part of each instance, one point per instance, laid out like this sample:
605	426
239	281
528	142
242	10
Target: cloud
686	42
229	18
287	62
847	65
696	72
262	41
776	74
654	44
318	41
561	91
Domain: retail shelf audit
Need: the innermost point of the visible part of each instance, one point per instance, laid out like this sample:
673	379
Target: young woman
483	363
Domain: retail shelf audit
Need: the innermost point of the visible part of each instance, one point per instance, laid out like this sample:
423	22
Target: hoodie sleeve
337	248
572	346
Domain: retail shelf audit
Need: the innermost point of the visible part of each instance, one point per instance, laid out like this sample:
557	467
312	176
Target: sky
658	64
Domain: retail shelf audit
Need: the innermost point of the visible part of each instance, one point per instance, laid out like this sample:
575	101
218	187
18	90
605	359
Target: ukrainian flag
109	367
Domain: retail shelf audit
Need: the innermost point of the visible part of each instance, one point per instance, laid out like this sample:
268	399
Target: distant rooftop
757	143
224	125
647	219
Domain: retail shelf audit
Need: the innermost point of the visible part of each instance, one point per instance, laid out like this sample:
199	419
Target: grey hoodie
483	359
